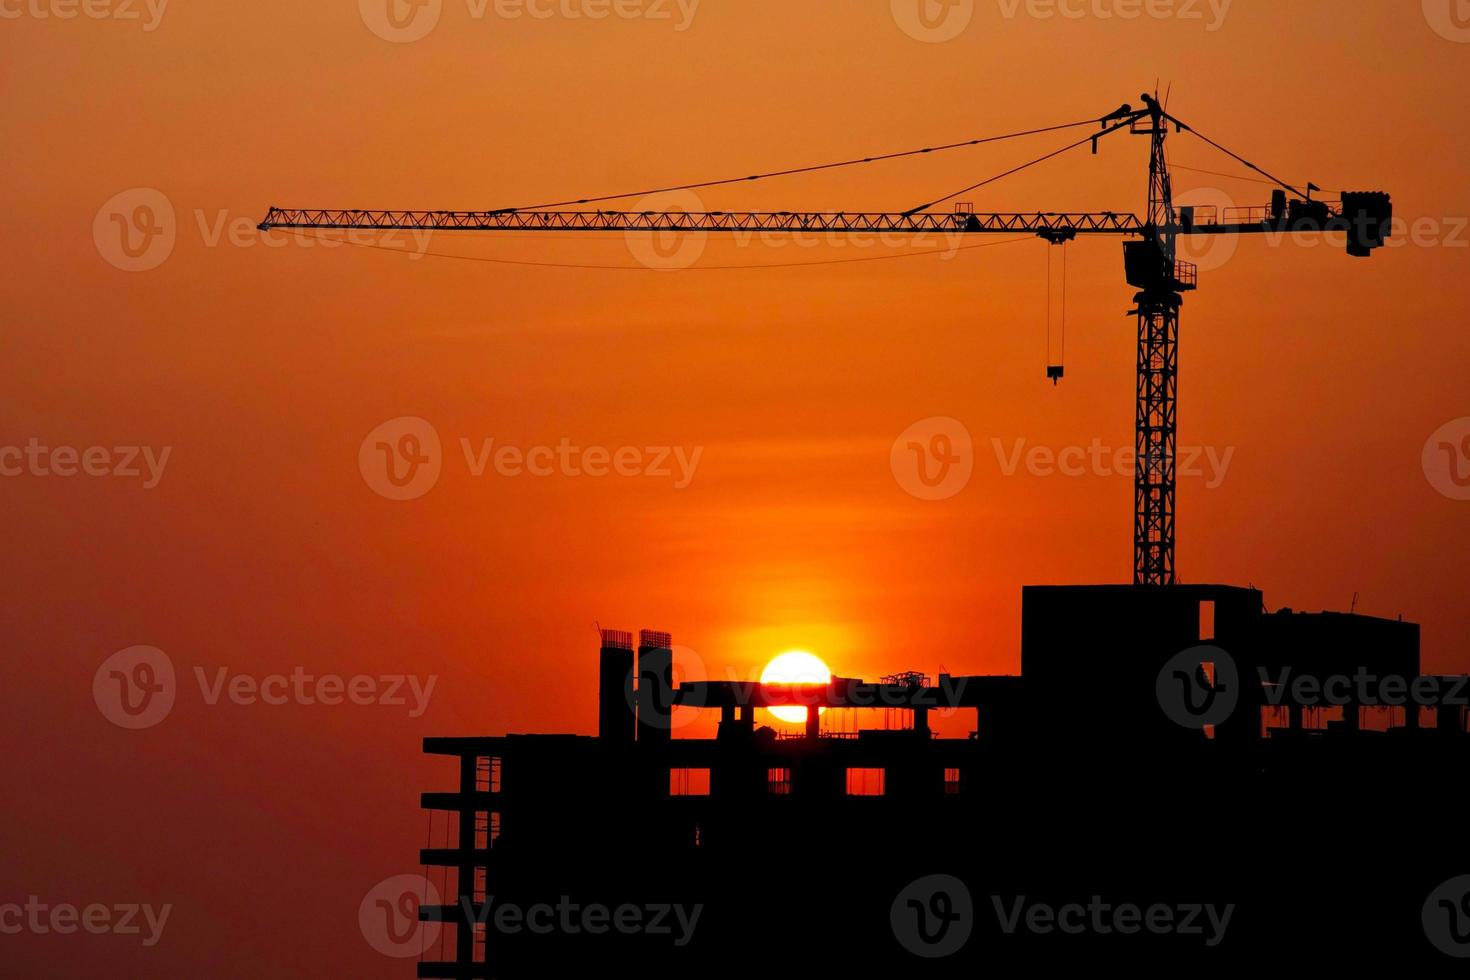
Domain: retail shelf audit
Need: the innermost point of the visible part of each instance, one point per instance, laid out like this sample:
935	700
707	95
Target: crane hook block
1055	373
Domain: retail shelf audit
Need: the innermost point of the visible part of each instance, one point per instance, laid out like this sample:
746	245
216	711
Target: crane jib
1114	223
1151	262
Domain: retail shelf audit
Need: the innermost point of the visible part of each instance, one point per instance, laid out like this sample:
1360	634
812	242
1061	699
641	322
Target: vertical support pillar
464	930
655	687
1157	429
616	716
813	721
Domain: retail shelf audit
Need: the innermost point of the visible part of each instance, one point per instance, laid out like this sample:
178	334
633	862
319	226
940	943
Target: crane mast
1155	483
1149	251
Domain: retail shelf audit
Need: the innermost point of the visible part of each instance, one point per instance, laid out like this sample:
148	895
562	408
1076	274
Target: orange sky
262	549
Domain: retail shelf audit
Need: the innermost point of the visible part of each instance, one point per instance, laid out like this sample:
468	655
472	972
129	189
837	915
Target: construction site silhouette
1178	775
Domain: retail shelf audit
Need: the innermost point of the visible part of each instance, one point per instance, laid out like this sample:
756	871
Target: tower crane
1150	264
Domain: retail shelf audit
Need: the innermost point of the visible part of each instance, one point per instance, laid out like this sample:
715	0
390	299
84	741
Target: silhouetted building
1160	741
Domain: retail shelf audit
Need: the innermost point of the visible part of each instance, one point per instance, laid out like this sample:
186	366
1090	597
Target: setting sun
795	667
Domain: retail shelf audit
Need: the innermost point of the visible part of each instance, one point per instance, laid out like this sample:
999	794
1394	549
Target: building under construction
1160	744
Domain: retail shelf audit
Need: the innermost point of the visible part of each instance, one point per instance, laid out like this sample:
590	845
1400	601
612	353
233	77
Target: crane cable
641	268
1015	170
1061	359
1237	157
801	170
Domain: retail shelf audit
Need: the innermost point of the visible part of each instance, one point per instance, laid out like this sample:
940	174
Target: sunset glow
795	667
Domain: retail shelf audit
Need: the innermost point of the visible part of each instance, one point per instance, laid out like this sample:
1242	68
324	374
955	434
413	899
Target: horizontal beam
845	692
453	857
461	801
453	971
896	222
